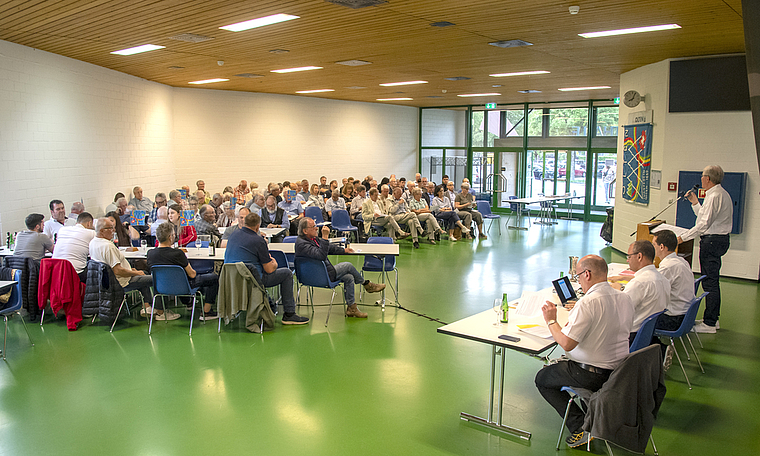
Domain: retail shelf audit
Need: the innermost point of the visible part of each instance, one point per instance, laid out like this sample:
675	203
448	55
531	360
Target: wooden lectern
644	231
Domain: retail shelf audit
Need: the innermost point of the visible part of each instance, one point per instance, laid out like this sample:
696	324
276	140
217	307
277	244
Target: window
568	122
606	121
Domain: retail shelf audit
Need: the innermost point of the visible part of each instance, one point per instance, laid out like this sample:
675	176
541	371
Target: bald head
596	266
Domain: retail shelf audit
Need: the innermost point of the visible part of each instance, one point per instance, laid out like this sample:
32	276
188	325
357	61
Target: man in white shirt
648	289
681	279
595	339
57	219
140	203
400	211
104	250
162	216
76	208
713	226
74	244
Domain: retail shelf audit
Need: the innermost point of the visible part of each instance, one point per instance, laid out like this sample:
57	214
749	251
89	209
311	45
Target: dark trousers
666	323
209	285
83	276
711	248
553	377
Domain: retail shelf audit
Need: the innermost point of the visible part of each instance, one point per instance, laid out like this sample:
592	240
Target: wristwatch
551	322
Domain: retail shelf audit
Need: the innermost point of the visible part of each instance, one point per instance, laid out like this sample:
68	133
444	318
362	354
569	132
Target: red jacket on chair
60	283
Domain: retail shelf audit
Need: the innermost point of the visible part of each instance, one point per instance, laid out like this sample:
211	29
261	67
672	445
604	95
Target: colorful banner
137	218
187	218
637	160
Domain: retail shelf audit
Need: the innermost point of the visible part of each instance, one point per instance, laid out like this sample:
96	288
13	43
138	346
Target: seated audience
113	206
240	222
428	193
162	216
275	191
335	202
442	208
32	242
275	217
467	209
205	224
124	232
228	215
77	208
74	244
403	216
105	251
201	187
242	191
159	202
256	204
216	203
304	193
293	210
183	234
57	219
248	246
164	254
374	213
310	245
139	202
418	206
595	340
452	194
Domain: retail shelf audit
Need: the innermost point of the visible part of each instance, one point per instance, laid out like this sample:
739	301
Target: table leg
489	423
381	302
569	217
518	219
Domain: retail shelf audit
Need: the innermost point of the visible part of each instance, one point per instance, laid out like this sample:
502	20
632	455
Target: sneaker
717	324
210	315
294	319
167	315
353	311
145	312
704	328
578	439
416	244
374	287
668	358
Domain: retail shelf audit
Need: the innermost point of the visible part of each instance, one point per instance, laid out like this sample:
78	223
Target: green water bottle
504	309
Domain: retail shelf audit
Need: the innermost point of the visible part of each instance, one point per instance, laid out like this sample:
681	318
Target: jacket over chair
240	290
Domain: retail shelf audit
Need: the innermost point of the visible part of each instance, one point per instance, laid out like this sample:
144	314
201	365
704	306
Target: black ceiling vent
510	43
458	78
356	4
442	24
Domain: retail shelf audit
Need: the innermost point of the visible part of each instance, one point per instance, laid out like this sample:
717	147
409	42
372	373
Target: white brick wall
443	127
689	142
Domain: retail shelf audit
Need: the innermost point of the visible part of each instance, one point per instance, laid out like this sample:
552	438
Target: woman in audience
124	233
184	234
444	209
348	193
315	198
420	207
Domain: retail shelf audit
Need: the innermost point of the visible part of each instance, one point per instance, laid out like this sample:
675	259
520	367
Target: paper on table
676	229
530	304
536	330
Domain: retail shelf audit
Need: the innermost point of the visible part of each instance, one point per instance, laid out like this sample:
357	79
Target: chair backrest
341	219
691	315
372	263
170	280
644	335
484	208
315	213
313	273
697	282
15	302
514	207
279	256
290	240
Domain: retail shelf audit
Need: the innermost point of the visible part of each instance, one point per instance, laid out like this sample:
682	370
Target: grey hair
100	224
304	224
173	194
465	185
162	213
164	231
715	173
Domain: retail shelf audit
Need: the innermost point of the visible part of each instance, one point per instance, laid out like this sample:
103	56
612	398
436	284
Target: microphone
693	190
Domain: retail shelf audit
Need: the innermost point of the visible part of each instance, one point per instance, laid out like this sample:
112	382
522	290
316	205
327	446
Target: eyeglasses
629	255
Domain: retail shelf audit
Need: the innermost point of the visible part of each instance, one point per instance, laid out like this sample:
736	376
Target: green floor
386	385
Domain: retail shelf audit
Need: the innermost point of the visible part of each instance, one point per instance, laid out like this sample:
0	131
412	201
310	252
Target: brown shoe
353	311
374	287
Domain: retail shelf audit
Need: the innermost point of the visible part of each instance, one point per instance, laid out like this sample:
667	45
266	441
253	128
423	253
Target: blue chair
315	213
644	335
313	273
282	262
697	282
15	302
518	210
683	330
341	222
171	280
485	210
381	265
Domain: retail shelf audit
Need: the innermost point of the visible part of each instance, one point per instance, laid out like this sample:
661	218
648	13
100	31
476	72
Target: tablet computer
564	289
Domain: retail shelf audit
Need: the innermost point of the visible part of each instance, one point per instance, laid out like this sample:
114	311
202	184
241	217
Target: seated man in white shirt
74	244
334	202
648	289
595	339
77	208
162	216
57	219
293	209
32	242
678	272
104	250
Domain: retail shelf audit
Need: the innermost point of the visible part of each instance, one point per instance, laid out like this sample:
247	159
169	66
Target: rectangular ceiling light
209	81
391	84
138	49
316	91
293	70
572	89
493	94
652	28
260	22
521	73
394	99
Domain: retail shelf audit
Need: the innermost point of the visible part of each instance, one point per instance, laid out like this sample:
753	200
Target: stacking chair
171	280
683	331
383	266
65	293
313	273
518	208
644	335
14	306
696	290
315	213
341	222
485	210
282	262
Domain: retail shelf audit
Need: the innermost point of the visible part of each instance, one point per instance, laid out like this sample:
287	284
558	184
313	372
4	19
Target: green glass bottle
504	309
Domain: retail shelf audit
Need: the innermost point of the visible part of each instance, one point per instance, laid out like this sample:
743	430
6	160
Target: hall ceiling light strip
260	22
293	70
521	73
492	94
316	91
651	28
393	84
394	99
138	49
571	89
209	81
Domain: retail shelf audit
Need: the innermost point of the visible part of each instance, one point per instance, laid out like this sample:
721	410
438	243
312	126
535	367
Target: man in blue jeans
248	246
309	245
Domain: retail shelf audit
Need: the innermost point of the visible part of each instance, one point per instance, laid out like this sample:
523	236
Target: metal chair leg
564	421
654	448
192	314
675	350
152	311
118	312
688	357
695	353
5	335
329	309
42	318
609	449
25	328
699	340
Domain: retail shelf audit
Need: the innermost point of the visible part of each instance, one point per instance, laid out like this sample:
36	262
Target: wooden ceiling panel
396	37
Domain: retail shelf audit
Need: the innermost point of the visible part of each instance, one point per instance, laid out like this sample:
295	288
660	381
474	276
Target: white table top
360	249
480	328
539	199
192	254
6	283
269	232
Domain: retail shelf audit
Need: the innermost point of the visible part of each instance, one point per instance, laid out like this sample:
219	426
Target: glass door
604	181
